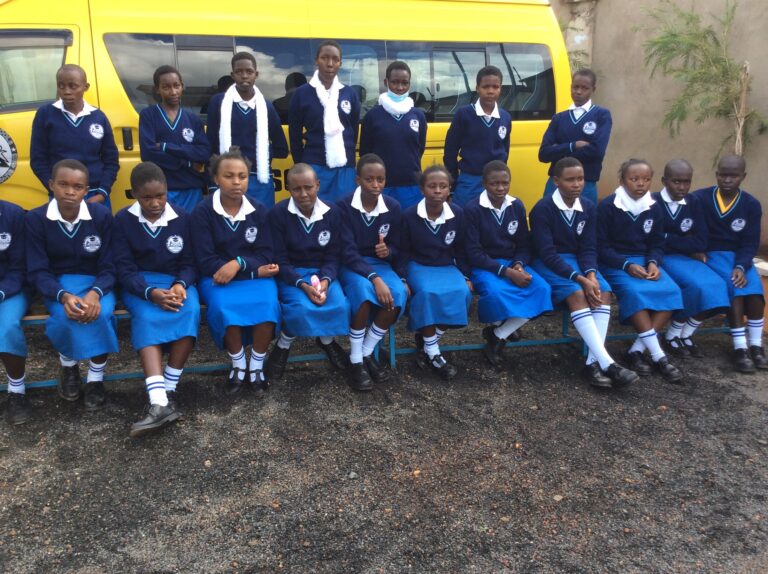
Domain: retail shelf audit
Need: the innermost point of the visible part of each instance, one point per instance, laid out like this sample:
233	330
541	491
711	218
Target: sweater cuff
627	263
588	271
502	270
60	294
742	268
147	292
241	262
573	275
180	282
2	296
99	291
299	281
326	277
99	190
656	263
372	276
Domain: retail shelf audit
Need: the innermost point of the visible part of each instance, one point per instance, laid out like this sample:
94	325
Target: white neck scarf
633	206
395	108
262	129
335	152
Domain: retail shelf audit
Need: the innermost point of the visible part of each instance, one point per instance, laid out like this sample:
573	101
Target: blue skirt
335	183
302	318
358	289
406	195
439	296
76	340
590	190
703	289
722	263
187	199
637	294
467	188
239	303
262	192
151	325
563	288
12	311
501	299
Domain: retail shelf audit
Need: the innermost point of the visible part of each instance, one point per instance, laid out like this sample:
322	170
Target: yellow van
119	44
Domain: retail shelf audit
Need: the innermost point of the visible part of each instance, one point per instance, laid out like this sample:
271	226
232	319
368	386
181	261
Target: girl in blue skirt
236	263
370	244
630	240
156	268
69	261
435	267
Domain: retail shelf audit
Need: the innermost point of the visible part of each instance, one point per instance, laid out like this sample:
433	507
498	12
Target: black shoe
379	373
636	362
516	335
276	362
335	354
493	348
260	384
758	357
234	382
667	370
621	377
422	360
675	347
359	379
173	402
442	367
156	418
742	362
693	349
94	396
595	376
69	383
17	411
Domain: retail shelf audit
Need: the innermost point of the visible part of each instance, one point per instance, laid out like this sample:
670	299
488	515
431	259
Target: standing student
242	117
236	262
156	268
582	132
564	228
323	123
435	267
396	131
498	251
630	243
69	261
71	128
370	237
307	236
733	223
479	133
174	139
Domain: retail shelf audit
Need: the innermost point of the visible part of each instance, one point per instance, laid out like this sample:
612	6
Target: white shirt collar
485	201
87	109
668	199
357	203
421	211
167	215
238	99
318	211
623	201
560	202
579	111
245	208
54	214
480	112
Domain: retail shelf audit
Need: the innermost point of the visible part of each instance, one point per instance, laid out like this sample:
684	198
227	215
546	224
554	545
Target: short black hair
493	166
72	68
232	153
368	159
324	43
739	160
70	164
489	71
397	65
297	168
677	164
587	73
162	71
435	168
630	163
144	173
564	163
244	56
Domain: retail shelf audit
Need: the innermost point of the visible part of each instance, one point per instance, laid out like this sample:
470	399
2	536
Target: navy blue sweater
88	140
181	144
433	247
737	230
167	250
399	141
306	113
12	254
53	251
487	238
564	130
685	231
475	141
619	234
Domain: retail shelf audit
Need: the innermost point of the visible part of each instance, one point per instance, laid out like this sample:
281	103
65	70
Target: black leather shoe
636	362
667	370
359	379
17	411
595	376
335	354
94	396
675	348
260	383
69	383
156	418
742	362
276	362
621	377
693	349
758	357
442	367
493	348
422	360
378	372
173	402
234	382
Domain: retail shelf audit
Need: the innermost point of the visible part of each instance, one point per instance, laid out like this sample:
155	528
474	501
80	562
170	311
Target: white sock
171	377
95	372
66	361
650	341
17	385
238	362
156	389
602	317
285	341
509	326
256	364
675	329
637	346
585	325
439	333
689	329
431	347
326	340
356	337
372	338
755	332
739	337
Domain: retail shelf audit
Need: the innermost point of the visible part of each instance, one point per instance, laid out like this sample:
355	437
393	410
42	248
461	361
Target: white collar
485	201
167	215
633	206
357	203
87	109
245	208
238	99
318	211
421	211
480	112
586	107
560	202
668	199
54	214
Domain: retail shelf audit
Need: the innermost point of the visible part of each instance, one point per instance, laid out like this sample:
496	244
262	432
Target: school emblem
502	132
384	230
738	224
512	227
96	130
188	135
686	224
346	106
251	233
450	236
174	244
648	225
589	128
324	237
8	156
414	125
92	243
5	241
580	227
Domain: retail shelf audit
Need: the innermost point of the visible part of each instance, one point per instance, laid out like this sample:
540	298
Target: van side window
28	63
528	91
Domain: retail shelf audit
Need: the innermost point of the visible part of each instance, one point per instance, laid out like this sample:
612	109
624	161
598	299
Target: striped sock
255	364
585	324
285	341
509	326
356	337
439	333
650	341
17	385
675	329
637	346
95	372
171	377
431	347
66	361
602	317
372	338
238	362
156	390
739	337
755	332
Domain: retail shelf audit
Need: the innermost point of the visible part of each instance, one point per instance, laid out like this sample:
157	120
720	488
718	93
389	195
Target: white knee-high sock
755	332
256	363
689	328
602	317
439	333
171	377
372	338
637	346
17	385
585	325
509	326
739	336
238	362
95	372
66	361
356	337
675	329
650	341
431	346
156	390
285	341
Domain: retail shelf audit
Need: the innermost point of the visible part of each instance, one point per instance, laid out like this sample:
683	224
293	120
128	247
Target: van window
29	60
528	91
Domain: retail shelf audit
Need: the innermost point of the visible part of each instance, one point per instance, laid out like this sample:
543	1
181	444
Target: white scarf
262	130
633	206
335	152
395	108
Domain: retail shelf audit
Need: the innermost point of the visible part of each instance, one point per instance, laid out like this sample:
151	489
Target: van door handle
127	139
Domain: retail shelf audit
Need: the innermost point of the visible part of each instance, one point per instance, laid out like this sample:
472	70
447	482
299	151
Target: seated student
370	237
69	261
241	116
156	268
685	242
71	128
307	237
733	223
564	227
479	133
630	247
497	250
435	267
236	263
13	305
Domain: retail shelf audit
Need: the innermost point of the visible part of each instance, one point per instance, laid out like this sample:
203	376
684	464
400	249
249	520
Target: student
13	305
630	243
564	227
497	247
241	116
582	132
478	133
370	237
435	267
174	139
685	242
69	261
71	128
156	268
322	125
235	259
733	222
307	236
397	132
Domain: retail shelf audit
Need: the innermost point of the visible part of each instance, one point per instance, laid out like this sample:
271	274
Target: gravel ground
487	473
